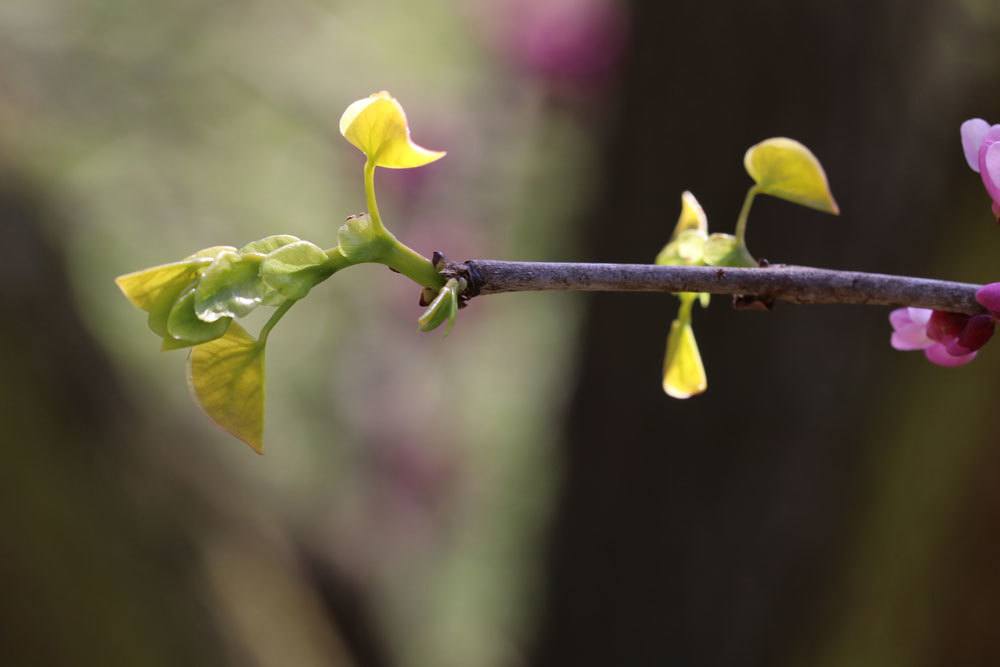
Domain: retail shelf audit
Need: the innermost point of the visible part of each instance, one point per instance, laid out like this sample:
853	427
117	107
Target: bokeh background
520	492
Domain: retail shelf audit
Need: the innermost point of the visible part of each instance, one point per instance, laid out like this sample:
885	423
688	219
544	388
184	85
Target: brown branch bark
794	284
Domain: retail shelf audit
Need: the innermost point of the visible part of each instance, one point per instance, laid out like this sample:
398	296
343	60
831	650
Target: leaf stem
741	222
399	256
265	330
687	302
370	200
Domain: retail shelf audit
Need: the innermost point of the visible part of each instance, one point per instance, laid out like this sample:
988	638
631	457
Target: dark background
522	492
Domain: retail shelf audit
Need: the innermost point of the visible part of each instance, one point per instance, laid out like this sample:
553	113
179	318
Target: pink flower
981	143
947	339
988	297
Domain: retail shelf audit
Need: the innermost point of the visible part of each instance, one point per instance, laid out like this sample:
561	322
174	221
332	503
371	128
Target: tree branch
795	284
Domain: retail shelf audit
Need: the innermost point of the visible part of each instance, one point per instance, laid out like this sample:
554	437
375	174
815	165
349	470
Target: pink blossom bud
977	332
956	349
988	297
945	327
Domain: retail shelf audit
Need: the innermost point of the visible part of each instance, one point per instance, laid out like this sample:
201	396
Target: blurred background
521	492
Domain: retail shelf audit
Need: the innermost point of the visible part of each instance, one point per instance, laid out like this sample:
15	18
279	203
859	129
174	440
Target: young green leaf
443	308
230	287
683	372
160	310
357	238
377	126
184	326
268	244
211	253
786	169
687	243
294	269
226	376
726	250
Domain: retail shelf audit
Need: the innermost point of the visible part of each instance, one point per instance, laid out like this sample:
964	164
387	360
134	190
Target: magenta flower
981	143
988	297
947	339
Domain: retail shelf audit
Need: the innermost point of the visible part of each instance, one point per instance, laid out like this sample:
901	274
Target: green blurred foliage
420	467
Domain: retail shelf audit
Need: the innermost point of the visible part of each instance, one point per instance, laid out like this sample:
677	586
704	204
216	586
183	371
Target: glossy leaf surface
229	287
184	326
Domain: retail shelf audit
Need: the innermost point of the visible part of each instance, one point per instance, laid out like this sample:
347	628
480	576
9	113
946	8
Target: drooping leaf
230	287
184	326
294	269
786	169
268	244
726	250
377	126
683	372
226	376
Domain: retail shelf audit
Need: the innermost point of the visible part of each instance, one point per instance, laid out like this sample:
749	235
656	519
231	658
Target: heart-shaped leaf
377	126
683	371
786	169
726	250
226	376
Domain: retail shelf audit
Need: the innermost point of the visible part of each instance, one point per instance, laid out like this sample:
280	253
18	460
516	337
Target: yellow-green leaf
377	126
211	252
144	288
227	379
683	372
687	243
726	250
692	215
786	169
